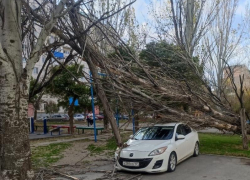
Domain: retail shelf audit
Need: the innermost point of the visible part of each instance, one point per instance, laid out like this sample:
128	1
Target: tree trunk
71	115
35	115
37	105
137	122
243	128
15	154
102	96
189	30
105	121
85	114
15	151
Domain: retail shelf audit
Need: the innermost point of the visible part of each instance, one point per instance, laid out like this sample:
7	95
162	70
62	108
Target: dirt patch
85	156
77	154
245	161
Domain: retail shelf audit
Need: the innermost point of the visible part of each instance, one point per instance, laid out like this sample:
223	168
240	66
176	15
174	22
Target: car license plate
134	164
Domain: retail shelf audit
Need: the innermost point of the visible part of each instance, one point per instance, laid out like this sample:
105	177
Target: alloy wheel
172	162
197	149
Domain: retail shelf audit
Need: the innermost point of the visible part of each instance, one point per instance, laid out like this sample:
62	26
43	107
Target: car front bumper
149	168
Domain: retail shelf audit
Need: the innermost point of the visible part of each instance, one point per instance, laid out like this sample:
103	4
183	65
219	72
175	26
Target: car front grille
142	162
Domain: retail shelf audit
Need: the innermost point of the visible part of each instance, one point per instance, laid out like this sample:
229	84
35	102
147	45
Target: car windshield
155	133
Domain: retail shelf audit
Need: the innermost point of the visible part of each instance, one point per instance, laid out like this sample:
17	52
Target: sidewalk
102	137
40	135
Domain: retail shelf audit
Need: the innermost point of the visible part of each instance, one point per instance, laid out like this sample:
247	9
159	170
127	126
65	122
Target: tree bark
105	121
85	114
243	128
37	105
137	117
35	115
71	115
15	154
189	27
102	95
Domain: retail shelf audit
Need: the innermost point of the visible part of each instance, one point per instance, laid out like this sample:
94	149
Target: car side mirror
180	136
131	136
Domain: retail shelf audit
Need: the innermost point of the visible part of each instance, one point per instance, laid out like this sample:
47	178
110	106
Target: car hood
145	145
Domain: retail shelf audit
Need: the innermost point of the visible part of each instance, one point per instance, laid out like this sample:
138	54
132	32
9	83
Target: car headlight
158	151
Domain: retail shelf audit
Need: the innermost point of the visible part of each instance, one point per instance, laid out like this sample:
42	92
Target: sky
141	8
143	16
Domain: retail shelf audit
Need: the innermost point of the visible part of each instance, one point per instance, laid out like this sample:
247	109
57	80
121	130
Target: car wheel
172	162
196	150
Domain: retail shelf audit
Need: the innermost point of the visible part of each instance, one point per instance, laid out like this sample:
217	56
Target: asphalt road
206	167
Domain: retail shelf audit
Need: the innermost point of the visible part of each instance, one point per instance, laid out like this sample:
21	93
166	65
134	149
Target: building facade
61	54
237	71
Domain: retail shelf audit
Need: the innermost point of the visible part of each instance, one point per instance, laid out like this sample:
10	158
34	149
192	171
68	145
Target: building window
43	59
24	46
66	52
52	39
35	70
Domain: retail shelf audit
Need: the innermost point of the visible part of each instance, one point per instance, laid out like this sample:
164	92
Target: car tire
172	162
196	149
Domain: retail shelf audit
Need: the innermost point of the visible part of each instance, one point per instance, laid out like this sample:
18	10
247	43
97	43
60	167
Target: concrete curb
238	157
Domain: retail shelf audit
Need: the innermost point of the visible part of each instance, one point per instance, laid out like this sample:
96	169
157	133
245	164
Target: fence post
93	105
32	129
45	126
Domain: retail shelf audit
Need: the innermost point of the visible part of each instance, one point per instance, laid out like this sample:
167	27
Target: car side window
181	130
187	129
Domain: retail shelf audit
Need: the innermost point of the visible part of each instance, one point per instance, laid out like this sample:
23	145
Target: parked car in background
125	117
66	115
99	116
158	149
122	116
59	117
42	118
79	117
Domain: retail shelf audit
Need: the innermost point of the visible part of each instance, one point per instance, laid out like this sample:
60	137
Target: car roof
167	124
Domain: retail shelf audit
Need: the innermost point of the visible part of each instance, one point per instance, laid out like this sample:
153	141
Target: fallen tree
148	88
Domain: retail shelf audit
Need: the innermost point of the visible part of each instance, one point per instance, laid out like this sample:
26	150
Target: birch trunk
15	154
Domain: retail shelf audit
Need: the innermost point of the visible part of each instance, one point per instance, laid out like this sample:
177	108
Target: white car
79	117
158	148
